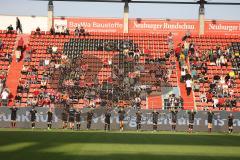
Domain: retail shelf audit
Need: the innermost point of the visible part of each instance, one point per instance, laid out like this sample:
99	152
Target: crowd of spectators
78	83
221	85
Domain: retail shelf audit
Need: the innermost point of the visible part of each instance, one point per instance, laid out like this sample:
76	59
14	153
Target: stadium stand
7	43
98	59
213	65
120	69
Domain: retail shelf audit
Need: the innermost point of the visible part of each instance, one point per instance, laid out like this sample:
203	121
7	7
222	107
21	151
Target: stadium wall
219	124
215	27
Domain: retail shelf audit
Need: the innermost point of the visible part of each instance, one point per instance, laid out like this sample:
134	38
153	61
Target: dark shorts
13	118
49	120
230	124
174	121
78	120
138	122
33	119
107	121
71	119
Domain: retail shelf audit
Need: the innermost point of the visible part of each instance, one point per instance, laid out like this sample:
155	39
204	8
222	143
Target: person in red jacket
209	96
20	44
221	102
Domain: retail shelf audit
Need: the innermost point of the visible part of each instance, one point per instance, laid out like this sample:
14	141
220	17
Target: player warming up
107	119
33	113
64	119
90	115
230	123
13	116
71	113
191	116
49	118
174	119
138	120
78	118
155	120
121	117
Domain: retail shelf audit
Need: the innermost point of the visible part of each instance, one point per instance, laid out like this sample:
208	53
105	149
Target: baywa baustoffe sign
220	120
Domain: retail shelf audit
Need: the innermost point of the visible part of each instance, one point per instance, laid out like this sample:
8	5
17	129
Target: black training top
121	115
191	116
174	115
210	117
155	116
33	114
139	116
13	112
89	115
64	116
78	116
71	112
50	115
230	119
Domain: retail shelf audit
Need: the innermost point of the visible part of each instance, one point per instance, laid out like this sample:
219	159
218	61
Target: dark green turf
19	144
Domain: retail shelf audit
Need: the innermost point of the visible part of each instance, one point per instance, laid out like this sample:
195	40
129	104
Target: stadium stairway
188	100
15	70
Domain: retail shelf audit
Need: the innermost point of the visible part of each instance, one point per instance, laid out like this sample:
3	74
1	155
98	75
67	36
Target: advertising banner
220	121
91	24
215	27
163	26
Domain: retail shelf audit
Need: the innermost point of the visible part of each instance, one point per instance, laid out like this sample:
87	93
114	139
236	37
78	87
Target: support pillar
125	17
50	15
201	20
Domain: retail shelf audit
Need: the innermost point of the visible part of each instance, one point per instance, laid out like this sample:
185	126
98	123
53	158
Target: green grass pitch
22	144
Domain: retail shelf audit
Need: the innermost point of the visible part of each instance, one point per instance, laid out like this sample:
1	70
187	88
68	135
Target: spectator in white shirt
215	102
188	86
18	55
54	49
4	96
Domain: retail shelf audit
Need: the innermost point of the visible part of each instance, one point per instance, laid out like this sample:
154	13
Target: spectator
188	86
18	26
223	61
52	31
215	102
1	44
18	98
1	85
82	31
203	97
20	45
58	30
10	29
183	75
196	86
18	54
194	74
62	30
38	31
76	31
67	32
186	48
170	41
20	88
8	57
5	96
43	84
54	49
